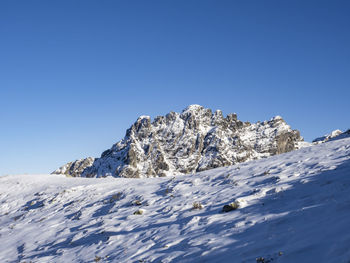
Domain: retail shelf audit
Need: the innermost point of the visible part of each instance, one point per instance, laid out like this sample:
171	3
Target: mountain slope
293	207
334	135
193	141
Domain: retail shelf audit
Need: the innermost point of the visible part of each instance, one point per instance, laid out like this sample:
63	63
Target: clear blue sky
74	75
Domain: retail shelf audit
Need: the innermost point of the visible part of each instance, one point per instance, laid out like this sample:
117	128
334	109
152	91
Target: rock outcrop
180	143
75	168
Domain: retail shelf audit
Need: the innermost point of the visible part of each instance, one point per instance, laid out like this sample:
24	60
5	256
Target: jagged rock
76	168
195	140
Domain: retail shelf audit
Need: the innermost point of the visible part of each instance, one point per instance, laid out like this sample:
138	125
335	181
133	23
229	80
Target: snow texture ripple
293	207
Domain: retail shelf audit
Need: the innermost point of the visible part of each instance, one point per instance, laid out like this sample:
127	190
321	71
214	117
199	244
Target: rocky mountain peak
194	140
194	109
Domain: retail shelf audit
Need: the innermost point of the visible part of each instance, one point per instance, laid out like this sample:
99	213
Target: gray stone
179	143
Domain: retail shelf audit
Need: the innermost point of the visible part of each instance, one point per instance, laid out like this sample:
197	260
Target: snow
294	207
143	117
277	117
193	107
195	140
334	135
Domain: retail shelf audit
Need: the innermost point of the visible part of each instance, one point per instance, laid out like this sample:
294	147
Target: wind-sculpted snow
292	207
193	141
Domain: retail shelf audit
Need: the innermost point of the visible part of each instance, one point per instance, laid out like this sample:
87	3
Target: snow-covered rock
334	135
292	207
75	168
180	143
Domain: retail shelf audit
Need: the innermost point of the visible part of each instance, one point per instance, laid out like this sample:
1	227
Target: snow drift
292	207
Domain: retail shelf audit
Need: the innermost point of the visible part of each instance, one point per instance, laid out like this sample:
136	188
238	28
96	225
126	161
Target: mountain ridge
194	140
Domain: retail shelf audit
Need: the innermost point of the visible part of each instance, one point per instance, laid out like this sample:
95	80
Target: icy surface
293	207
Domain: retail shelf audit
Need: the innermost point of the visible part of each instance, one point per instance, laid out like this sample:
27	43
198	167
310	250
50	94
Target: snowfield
293	207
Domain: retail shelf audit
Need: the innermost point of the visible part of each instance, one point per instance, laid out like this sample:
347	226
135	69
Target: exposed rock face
195	140
75	168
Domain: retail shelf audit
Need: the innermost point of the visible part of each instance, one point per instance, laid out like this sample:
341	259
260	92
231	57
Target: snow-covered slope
293	207
179	143
334	135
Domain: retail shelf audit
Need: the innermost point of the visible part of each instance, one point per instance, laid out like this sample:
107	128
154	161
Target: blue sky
74	75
